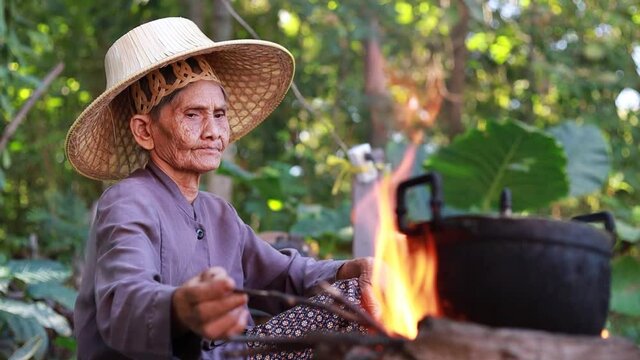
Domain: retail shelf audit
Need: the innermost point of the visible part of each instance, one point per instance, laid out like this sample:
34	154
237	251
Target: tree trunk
364	215
195	9
220	30
379	100
453	105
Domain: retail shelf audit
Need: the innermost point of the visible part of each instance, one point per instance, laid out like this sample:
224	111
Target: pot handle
434	181
603	216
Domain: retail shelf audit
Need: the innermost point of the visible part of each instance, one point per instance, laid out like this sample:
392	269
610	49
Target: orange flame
404	271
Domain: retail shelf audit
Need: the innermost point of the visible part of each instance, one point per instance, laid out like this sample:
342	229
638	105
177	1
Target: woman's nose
215	127
209	127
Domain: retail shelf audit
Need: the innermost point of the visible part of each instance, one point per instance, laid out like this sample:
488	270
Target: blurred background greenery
382	72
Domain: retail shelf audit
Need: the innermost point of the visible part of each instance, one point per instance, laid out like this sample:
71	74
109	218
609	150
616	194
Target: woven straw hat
255	75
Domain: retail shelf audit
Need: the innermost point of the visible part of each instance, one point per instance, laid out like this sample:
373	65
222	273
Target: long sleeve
142	246
133	308
286	271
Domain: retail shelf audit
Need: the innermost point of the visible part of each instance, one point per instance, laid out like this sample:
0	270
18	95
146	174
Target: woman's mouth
209	150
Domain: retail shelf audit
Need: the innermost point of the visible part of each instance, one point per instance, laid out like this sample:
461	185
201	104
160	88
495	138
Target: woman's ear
141	129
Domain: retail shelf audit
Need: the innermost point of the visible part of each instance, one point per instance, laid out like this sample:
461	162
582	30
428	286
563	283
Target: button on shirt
145	241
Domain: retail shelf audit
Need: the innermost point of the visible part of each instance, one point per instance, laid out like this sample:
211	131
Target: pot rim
527	229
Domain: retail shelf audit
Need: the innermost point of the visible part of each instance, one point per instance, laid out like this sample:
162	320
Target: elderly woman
163	257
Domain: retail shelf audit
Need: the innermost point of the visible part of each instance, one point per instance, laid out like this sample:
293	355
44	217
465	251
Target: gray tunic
144	243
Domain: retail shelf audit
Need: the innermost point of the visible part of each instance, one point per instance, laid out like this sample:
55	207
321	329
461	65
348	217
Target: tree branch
17	120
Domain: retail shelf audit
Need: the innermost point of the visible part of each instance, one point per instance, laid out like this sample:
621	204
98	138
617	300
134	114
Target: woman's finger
368	299
208	311
231	323
211	284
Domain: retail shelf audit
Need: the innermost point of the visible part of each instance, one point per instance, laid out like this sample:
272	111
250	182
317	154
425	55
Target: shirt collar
173	189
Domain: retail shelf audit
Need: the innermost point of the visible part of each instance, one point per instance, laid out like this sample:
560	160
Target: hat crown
149	44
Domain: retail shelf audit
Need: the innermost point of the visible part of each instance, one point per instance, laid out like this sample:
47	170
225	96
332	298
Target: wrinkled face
192	130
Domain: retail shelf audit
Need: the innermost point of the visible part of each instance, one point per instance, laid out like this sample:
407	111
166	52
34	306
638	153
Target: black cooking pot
521	272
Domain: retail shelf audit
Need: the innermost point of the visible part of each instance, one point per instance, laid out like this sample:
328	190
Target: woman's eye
192	115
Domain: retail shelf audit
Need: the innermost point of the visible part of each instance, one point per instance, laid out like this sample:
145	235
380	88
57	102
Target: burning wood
442	339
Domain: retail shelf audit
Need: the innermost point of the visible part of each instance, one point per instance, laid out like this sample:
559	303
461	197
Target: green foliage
29	349
316	221
627	232
37	271
625	298
587	154
274	200
40	311
30	286
269	197
56	292
330	227
2	181
20	330
624	325
510	155
65	219
625	291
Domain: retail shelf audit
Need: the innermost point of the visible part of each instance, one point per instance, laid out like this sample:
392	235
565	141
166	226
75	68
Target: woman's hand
361	268
207	306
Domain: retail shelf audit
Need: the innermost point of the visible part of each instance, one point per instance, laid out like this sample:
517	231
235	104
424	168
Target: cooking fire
404	272
476	287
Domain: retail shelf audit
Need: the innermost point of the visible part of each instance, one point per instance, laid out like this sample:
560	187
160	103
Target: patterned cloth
303	319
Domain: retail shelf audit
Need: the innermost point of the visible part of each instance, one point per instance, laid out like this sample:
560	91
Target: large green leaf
317	221
268	186
53	291
3	24
232	169
66	342
476	166
2	179
38	271
24	328
627	232
5	279
587	153
39	311
625	288
28	350
624	326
